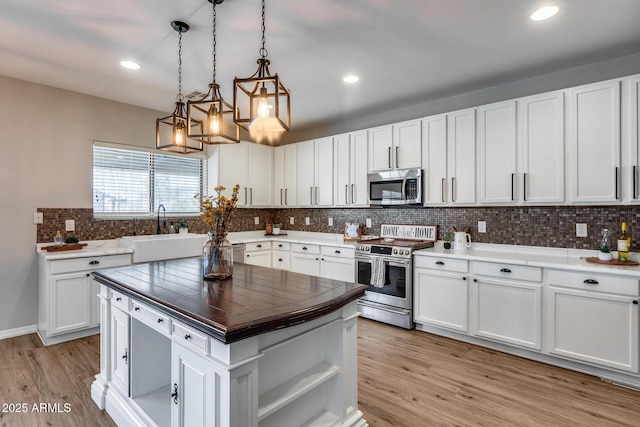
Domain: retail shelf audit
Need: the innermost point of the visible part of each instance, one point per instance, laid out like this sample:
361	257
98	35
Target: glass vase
217	258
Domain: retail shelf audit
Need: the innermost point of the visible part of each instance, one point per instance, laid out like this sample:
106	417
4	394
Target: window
131	181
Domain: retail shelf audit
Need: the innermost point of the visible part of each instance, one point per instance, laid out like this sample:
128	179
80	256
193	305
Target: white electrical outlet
256	220
581	230
70	225
330	222
37	218
482	226
307	221
291	220
368	223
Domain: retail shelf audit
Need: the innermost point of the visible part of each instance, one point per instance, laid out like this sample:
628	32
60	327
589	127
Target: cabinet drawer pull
439	263
591	282
280	245
175	393
280	259
160	320
505	270
94	262
258	246
187	337
635	302
136	308
88	274
338	252
304	248
118	299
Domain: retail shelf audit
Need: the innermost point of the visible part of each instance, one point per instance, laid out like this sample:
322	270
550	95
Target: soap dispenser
172	229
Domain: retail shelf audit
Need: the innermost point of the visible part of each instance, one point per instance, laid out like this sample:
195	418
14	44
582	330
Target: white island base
158	370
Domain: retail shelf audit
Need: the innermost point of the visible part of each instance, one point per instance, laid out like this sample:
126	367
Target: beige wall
46	137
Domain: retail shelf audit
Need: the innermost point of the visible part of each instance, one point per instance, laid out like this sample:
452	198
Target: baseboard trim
25	330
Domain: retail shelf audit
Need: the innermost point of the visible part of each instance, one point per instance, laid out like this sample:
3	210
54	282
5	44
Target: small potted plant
447	240
605	249
183	226
276	228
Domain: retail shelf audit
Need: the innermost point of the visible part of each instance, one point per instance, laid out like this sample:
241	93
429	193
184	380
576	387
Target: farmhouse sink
156	247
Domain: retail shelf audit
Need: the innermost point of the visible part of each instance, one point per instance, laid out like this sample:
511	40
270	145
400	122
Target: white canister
461	240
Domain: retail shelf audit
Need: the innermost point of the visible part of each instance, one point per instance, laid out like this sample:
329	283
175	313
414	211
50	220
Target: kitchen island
266	347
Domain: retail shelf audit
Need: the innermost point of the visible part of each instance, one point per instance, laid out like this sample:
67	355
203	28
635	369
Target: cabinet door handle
397	157
251	195
317	196
316	259
465	278
635	193
187	337
439	263
126	356
88	274
591	282
175	393
475	280
513	182
286	203
616	179
346	194
524	187
281	196
635	302
505	270
94	262
311	195
258	246
353	193
389	157
246	200
453	189
442	189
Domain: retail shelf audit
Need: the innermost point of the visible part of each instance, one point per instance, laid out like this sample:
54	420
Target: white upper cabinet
315	173
396	146
497	152
631	140
449	158
461	156
434	160
350	168
541	145
251	166
593	149
285	175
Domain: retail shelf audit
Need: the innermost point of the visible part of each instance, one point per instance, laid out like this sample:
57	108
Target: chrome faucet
164	220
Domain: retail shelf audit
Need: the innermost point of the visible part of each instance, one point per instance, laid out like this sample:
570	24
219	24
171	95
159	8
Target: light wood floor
406	378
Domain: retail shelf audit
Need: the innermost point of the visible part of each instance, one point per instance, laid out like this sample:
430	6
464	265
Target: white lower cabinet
119	354
281	255
258	253
337	263
68	296
305	259
506	303
594	319
441	293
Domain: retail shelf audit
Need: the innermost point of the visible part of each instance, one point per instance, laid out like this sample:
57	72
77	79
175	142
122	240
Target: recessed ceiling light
130	65
544	13
351	79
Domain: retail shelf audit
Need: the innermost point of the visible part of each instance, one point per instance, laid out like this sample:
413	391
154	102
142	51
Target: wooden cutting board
65	247
597	260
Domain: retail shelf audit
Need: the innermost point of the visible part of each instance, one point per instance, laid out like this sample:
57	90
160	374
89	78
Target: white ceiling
406	52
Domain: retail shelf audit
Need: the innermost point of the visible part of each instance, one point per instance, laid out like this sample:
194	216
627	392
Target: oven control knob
368	248
406	251
395	251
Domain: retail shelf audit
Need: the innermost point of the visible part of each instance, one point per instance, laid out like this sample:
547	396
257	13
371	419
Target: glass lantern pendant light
261	102
211	121
171	131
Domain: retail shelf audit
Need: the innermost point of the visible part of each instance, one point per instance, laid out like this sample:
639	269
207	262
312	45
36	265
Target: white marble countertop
93	248
566	259
305	237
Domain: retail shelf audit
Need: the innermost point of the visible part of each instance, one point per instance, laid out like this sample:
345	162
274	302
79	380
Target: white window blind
127	182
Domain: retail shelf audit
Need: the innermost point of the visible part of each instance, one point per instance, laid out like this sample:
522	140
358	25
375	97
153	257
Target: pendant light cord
180	97
213	48
263	51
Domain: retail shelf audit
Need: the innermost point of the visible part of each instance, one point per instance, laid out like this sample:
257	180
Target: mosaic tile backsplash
530	226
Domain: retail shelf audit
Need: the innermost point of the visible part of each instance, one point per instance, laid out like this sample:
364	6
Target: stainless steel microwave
395	187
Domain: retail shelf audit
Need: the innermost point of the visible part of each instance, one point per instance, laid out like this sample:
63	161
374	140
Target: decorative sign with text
409	232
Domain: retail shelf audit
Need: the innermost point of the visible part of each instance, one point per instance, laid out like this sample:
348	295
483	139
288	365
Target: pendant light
171	131
261	102
211	121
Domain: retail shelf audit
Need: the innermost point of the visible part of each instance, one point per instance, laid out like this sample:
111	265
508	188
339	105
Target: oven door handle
390	261
379	307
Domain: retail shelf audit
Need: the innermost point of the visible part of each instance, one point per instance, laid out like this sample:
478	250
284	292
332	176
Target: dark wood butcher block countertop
254	301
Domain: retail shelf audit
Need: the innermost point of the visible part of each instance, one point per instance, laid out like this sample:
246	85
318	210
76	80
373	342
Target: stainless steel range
385	265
